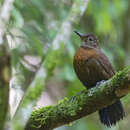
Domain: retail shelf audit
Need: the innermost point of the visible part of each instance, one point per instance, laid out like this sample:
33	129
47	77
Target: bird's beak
78	33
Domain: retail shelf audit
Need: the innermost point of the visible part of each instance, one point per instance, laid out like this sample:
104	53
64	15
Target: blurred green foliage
39	22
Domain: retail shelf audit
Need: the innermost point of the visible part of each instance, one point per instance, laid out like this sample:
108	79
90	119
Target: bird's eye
90	38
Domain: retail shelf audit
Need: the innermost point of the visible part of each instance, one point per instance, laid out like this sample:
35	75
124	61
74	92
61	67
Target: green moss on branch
83	104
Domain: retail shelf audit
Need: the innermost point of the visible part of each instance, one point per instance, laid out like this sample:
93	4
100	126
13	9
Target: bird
92	66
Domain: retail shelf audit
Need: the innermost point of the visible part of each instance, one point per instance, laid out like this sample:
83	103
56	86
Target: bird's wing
100	66
106	65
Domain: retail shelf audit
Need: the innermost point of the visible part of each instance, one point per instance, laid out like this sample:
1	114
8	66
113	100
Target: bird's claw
100	82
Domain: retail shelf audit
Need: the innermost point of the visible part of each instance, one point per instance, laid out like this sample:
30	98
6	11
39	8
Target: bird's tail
112	114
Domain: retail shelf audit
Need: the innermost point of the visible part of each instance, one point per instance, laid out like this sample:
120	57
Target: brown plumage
91	66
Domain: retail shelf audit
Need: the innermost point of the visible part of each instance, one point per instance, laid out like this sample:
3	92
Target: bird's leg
97	84
100	82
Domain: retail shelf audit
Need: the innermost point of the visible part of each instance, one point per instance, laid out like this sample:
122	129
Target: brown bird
92	66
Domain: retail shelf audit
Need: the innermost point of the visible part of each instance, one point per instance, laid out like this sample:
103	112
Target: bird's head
88	40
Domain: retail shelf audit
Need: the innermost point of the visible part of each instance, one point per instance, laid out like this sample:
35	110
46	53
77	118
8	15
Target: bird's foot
100	82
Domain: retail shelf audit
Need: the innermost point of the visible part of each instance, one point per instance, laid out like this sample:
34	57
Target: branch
83	104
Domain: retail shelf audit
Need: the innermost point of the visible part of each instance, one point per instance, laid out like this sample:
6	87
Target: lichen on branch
83	104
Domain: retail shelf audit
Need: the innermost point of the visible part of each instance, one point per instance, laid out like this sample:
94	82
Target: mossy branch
83	104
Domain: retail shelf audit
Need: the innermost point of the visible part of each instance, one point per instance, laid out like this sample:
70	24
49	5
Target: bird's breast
80	59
